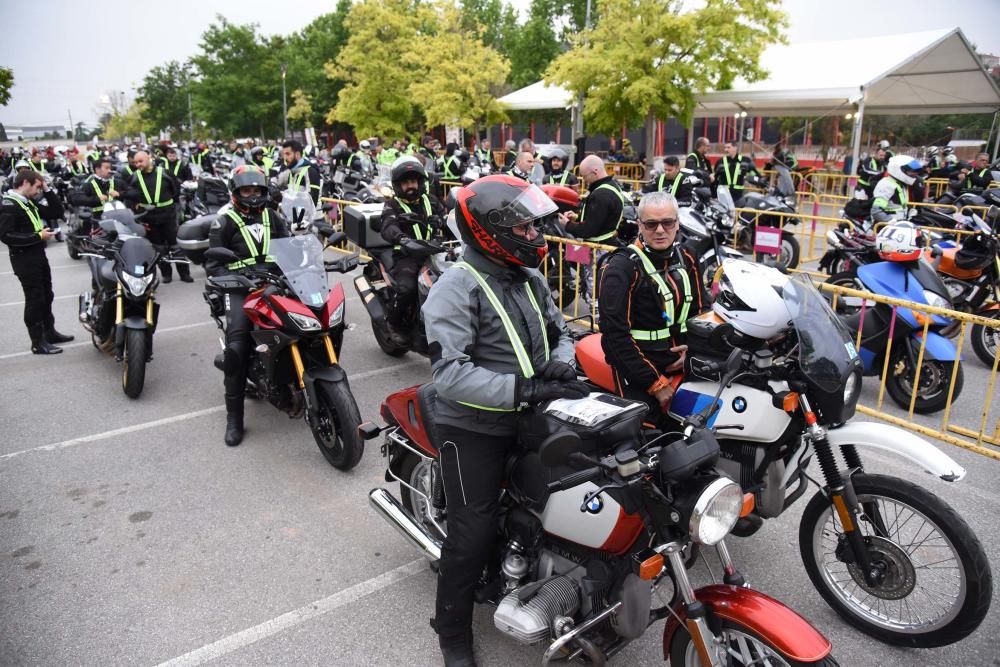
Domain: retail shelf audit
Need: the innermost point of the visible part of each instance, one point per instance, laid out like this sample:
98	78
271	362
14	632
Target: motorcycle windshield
138	257
300	259
826	349
297	206
725	198
784	187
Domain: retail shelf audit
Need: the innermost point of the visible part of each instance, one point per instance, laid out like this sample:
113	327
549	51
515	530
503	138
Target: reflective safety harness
873	168
33	215
97	191
177	166
154	201
968	182
561	180
614	231
418	233
668	299
885	204
523	358
673	187
295	182
732	178
77	168
448	175
265	243
197	157
483	156
40	168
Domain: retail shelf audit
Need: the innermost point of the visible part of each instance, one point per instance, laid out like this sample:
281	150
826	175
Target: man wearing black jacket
603	208
154	191
24	232
302	174
697	160
98	189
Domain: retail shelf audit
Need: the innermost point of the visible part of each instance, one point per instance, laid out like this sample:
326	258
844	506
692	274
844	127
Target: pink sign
768	240
578	253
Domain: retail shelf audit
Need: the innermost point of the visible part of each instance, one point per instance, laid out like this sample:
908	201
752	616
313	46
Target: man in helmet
484	154
604	207
884	147
247	229
672	179
497	343
697	160
648	291
891	194
154	191
361	161
202	157
302	174
558	173
414	214
870	171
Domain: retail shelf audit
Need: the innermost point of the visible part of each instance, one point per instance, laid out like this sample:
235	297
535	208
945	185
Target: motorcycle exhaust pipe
85	303
368	297
392	511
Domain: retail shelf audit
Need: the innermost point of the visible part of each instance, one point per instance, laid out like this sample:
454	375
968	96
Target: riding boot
166	272
54	336
234	420
184	271
457	652
39	344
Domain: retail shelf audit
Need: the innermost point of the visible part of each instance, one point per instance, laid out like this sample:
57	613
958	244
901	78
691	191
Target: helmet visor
531	204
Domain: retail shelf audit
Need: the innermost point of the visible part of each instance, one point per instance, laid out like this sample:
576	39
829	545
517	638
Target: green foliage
164	91
460	89
535	46
128	123
495	21
307	51
301	109
6	83
646	56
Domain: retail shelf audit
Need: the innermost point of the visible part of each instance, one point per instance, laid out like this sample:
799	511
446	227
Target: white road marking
298	616
72	442
51	267
84	343
21	303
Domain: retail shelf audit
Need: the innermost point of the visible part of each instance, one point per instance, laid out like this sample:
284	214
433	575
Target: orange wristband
661	383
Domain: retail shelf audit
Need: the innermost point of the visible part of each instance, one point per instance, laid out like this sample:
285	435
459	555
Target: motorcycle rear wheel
846	304
382	338
986	341
134	362
932	392
336	430
416	472
742	647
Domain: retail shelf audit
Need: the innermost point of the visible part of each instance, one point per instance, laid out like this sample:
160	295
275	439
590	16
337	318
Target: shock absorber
852	457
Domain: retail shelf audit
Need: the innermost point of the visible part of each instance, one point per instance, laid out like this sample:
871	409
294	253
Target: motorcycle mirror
734	361
224	255
336	237
558	448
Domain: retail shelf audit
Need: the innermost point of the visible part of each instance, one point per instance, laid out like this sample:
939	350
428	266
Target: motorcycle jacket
359	162
89	193
870	170
679	186
305	175
21	221
564	177
78	168
732	173
154	191
645	299
248	236
476	353
203	160
891	197
979	179
485	157
697	162
601	212
429	210
180	170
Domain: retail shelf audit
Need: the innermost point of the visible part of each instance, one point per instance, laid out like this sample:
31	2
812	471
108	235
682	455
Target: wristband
661	383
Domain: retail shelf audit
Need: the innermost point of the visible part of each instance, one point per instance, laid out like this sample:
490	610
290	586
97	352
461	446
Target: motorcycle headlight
716	511
136	285
338	316
305	322
935	299
851	387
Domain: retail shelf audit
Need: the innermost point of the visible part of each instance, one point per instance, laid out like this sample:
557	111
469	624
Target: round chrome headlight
850	388
716	511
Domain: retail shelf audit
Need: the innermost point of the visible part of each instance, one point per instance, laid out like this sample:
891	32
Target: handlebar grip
575	479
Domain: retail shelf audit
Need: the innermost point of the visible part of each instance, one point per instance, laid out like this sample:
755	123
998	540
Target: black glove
436	222
556	370
411	247
538	390
403	240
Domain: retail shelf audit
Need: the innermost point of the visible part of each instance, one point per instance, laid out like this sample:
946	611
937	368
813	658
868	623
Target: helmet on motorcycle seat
248	176
899	242
567	199
750	299
406	167
487	211
904	168
365	145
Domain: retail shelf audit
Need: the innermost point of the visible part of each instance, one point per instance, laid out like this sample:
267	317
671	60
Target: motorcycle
599	522
120	311
298	330
779	199
705	232
889	556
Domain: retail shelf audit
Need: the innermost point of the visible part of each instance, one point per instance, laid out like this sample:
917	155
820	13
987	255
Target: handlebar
575	479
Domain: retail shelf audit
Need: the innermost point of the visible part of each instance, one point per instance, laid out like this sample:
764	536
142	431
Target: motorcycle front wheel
935	582
134	362
846	305
932	389
739	645
336	427
986	341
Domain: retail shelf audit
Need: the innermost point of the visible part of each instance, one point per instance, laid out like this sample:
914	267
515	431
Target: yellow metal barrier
581	275
810	234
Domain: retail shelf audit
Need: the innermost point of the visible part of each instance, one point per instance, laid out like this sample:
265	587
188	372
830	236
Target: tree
305	52
534	46
6	83
127	124
647	59
375	97
495	21
301	109
164	91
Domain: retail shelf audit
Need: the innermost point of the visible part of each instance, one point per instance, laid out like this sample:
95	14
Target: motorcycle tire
134	362
336	430
790	251
904	506
849	279
743	644
72	250
382	338
416	472
986	341
934	374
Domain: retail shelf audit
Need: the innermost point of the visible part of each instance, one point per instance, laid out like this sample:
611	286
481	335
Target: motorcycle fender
990	308
332	373
731	253
793	636
897	441
938	347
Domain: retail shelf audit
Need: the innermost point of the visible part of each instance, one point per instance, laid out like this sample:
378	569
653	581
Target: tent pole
858	122
690	137
996	141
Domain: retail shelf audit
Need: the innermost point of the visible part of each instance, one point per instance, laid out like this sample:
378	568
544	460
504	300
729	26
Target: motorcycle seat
427	401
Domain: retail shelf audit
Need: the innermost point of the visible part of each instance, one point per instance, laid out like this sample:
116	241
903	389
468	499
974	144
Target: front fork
300	370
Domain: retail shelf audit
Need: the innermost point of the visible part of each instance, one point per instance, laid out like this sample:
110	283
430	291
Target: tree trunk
650	140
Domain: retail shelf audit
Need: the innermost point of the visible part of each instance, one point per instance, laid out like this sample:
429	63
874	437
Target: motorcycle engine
527	614
738	462
956	288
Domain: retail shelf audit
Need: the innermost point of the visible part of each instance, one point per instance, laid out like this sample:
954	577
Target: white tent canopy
537	96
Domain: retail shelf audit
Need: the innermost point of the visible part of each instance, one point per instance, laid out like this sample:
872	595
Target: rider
672	179
484	154
451	163
362	160
497	343
522	166
603	208
412	214
731	170
75	165
648	291
870	171
302	173
559	174
180	170
97	190
247	229
201	157
892	192
980	176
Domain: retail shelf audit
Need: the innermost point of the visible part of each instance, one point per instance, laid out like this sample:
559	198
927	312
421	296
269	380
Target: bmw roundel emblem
739	404
595	505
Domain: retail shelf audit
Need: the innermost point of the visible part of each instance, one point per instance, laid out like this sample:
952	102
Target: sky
61	69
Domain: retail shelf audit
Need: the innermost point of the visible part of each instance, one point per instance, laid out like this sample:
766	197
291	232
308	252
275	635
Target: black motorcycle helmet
487	211
405	167
244	176
561	155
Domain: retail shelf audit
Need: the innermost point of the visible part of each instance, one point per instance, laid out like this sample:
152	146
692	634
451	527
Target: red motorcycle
598	518
298	329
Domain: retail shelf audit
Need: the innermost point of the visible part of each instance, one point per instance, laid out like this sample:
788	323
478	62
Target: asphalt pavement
130	534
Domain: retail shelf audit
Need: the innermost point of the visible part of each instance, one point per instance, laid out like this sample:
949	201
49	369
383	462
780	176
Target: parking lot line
82	343
177	418
21	302
298	616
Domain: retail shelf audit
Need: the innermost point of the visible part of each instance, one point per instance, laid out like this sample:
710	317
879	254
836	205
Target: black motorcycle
759	209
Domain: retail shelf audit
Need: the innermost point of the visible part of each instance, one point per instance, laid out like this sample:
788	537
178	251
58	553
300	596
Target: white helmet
933	150
904	169
884	144
899	242
749	298
365	145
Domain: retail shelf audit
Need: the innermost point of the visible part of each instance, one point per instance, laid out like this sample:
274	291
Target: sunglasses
651	225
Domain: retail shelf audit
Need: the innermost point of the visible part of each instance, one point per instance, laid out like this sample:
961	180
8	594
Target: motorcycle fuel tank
739	404
602	524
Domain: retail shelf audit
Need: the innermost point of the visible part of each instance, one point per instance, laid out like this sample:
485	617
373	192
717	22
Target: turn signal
922	319
790	403
650	568
748	504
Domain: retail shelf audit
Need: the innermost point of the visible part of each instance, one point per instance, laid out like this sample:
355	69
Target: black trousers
404	274
472	466
163	234
237	352
32	268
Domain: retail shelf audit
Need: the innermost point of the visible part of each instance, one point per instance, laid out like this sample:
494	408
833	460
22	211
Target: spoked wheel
934	584
986	341
134	362
417	472
336	427
932	389
738	645
788	258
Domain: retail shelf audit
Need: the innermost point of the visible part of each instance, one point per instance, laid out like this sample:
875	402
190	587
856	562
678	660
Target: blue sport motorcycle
915	281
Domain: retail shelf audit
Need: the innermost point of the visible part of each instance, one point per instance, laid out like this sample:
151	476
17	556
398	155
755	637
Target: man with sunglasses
648	291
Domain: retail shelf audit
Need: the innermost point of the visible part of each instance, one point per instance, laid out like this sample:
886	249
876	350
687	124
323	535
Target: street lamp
284	99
